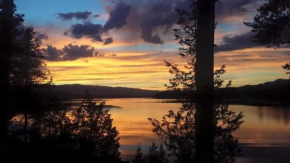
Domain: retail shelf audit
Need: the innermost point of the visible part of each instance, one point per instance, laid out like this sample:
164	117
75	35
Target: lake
264	136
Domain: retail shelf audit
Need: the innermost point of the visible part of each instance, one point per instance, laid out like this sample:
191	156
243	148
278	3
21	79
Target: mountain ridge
79	90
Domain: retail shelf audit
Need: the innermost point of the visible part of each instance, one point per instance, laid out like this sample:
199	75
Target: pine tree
193	134
6	49
94	130
162	154
153	154
23	64
156	154
271	25
139	156
28	67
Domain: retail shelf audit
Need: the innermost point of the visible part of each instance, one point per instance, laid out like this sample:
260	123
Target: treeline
37	122
270	93
77	91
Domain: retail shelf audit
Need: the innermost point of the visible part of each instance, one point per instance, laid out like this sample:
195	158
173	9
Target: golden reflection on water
263	126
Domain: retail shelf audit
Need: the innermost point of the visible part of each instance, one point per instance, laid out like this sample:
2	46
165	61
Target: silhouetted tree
138	158
287	68
28	67
87	129
95	129
155	155
196	35
162	154
178	129
204	81
272	24
22	62
6	41
27	71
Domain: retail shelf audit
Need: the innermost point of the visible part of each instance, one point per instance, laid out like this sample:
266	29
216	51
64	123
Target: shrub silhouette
87	129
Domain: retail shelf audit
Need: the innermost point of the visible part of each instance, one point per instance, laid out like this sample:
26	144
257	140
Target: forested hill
276	92
78	91
270	93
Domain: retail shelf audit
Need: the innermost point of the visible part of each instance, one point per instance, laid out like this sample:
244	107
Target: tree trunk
5	55
205	80
25	127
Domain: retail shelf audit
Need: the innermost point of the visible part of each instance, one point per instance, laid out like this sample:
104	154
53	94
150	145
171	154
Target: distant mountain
78	91
270	93
276	92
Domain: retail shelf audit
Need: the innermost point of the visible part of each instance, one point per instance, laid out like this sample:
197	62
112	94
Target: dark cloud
74	52
118	17
52	53
86	30
151	19
157	16
147	18
68	53
233	8
113	55
40	37
99	54
75	15
108	41
238	42
92	31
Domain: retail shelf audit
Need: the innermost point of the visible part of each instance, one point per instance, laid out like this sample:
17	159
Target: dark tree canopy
177	129
138	158
201	130
27	65
88	129
287	68
155	154
272	23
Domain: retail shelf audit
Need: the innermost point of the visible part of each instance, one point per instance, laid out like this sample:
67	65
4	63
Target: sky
125	42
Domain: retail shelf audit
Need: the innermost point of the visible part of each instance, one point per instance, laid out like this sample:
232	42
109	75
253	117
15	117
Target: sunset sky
124	42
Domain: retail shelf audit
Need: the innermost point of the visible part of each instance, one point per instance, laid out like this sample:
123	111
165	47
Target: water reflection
279	114
254	135
259	138
177	130
63	134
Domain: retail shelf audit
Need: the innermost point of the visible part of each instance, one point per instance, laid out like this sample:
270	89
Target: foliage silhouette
6	43
155	155
138	158
23	65
28	67
271	26
287	68
27	71
201	131
177	129
87	129
67	134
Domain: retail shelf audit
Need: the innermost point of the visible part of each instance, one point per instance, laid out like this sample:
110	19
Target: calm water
264	136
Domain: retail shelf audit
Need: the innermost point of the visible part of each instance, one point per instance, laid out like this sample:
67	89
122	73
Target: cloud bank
75	15
69	52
